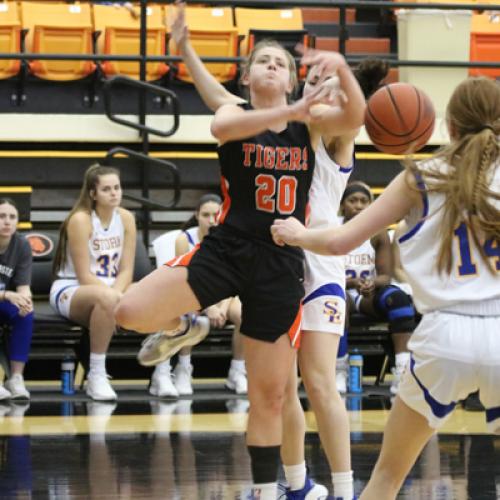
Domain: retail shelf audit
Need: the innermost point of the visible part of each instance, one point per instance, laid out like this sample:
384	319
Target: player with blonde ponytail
451	255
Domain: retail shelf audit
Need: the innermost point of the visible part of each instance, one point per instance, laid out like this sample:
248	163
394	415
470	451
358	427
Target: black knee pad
396	307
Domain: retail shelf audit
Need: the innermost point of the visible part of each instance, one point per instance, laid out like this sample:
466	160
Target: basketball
399	118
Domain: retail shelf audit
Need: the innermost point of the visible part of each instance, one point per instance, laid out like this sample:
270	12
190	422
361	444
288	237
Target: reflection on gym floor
195	449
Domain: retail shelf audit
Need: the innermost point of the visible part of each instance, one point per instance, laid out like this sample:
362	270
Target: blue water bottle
67	376
356	372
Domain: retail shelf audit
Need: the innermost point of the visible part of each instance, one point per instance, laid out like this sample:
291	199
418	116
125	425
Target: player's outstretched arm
394	203
214	95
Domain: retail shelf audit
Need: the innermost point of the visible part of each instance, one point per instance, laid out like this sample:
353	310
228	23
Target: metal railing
146	163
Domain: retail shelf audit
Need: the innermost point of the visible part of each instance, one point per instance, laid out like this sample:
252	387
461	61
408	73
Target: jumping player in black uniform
266	151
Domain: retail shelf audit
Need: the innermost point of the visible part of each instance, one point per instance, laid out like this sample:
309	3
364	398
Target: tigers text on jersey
265	177
470	284
105	250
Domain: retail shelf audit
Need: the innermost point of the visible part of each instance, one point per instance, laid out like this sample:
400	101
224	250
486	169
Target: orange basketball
399	118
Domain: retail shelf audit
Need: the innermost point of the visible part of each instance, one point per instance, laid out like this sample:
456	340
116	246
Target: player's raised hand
177	23
326	61
287	231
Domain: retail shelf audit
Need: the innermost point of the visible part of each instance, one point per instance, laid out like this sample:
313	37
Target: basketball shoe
160	346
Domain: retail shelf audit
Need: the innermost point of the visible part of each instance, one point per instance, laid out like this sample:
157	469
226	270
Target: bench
55	337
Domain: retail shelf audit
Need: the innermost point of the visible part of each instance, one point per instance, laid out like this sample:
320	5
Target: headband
356	188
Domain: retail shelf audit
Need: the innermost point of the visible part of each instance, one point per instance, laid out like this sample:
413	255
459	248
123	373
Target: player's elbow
218	130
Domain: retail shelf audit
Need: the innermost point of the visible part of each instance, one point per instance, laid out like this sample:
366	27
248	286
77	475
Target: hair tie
485	127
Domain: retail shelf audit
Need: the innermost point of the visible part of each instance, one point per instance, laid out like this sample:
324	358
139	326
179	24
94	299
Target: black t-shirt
266	177
15	264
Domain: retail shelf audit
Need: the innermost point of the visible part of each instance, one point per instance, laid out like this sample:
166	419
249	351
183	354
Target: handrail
145	201
125	80
371	4
350	59
148	160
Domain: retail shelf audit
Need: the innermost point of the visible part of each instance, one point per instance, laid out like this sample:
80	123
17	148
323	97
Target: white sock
295	475
97	363
185	360
343	362
163	367
238	365
342	485
402	358
266	491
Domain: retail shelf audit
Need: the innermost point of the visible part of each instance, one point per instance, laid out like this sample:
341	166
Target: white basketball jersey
360	262
192	236
327	187
105	250
324	280
470	282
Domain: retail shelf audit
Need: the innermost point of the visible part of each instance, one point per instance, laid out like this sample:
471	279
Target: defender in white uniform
451	256
105	252
456	348
324	283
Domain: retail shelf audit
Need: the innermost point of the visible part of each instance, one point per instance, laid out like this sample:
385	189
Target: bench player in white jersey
369	270
451	255
94	265
324	302
193	232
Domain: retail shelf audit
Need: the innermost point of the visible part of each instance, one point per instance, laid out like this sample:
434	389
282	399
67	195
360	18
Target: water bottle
67	376
356	372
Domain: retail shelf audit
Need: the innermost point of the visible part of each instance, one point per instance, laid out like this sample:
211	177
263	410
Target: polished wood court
145	448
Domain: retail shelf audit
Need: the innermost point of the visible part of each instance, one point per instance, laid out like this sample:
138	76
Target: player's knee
268	398
318	388
107	299
397	307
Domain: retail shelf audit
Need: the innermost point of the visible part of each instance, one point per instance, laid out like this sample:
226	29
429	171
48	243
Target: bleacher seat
58	28
10	38
265	19
485	43
213	34
119	35
326	15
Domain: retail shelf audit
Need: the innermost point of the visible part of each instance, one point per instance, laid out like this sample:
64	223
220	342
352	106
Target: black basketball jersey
266	177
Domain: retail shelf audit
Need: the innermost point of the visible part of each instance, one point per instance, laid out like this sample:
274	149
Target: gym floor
194	448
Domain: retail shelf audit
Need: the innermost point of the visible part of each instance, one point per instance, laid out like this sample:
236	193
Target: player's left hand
287	231
326	61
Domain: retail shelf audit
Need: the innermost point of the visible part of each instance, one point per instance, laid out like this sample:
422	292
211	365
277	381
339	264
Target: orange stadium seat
10	38
485	43
284	25
265	19
213	34
58	28
119	35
